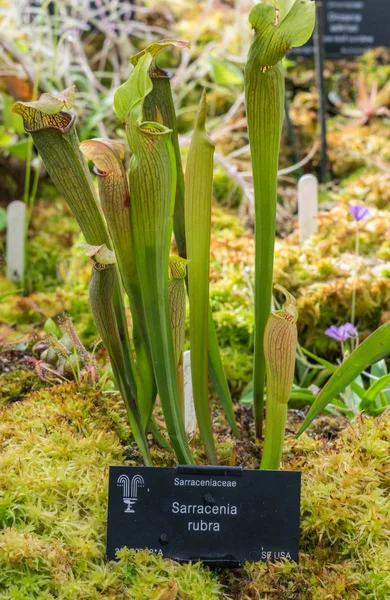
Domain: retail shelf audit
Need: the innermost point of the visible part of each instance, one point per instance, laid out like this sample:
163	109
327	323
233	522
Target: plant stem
198	194
355	273
265	110
274	435
277	28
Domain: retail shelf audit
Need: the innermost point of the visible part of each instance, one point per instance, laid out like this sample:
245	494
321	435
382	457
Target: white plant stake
16	215
189	406
307	206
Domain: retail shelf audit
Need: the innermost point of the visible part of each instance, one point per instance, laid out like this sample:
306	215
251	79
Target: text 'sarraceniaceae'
278	26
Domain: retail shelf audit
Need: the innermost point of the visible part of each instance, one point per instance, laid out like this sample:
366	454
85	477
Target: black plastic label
351	27
214	514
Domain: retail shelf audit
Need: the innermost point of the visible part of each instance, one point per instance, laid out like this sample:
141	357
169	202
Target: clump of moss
366	186
15	384
169	581
346	504
57	446
353	146
225	191
344	521
313	579
37	307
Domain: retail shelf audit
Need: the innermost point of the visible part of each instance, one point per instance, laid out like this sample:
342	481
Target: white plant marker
16	215
307	206
189	406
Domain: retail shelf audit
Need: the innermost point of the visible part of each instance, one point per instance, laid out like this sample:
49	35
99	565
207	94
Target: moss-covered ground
56	446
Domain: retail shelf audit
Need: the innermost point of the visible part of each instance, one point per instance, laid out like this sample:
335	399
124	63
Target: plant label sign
351	27
307	206
220	515
16	216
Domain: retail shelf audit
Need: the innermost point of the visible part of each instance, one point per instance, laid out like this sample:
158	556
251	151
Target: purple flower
359	212
342	333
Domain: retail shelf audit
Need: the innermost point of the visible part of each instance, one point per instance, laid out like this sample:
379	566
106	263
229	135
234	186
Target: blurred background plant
50	45
63	357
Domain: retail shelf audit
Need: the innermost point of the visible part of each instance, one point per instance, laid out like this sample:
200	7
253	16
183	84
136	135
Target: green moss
238	366
56	448
344	522
149	576
51	236
226	220
225	191
58	444
15	384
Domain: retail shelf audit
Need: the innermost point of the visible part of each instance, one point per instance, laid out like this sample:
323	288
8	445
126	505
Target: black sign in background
266	526
351	27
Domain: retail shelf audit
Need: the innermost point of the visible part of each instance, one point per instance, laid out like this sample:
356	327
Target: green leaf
177	302
379	369
197	203
280	345
156	47
177	267
100	254
129	97
284	7
296	20
287	24
357	389
158	104
56	140
374	348
373	393
19	149
299	397
101	290
223	72
48	104
152	180
51	328
108	156
264	92
278	27
246	398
